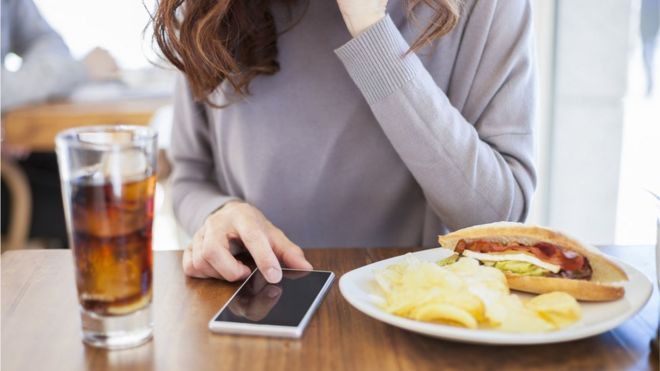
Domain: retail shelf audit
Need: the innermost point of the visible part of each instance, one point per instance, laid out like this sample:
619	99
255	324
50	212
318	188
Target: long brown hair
211	41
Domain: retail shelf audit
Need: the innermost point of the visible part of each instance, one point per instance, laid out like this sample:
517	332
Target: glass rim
70	137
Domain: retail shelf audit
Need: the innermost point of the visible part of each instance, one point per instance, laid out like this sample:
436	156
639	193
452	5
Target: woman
318	123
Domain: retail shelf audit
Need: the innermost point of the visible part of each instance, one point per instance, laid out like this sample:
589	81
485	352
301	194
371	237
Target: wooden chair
21	206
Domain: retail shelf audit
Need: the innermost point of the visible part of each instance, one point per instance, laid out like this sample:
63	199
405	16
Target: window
114	25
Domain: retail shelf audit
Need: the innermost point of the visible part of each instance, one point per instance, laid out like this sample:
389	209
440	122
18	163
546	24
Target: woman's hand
212	255
361	14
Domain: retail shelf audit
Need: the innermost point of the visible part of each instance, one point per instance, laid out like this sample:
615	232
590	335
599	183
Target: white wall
585	146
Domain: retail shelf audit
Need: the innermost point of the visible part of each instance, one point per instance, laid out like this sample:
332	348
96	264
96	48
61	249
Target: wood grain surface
41	327
35	127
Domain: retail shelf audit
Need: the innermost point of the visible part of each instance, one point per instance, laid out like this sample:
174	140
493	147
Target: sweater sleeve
470	172
195	190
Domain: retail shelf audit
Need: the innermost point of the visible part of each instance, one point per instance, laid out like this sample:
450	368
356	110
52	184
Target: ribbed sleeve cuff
377	62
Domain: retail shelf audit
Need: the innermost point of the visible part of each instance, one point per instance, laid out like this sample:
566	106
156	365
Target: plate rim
480	336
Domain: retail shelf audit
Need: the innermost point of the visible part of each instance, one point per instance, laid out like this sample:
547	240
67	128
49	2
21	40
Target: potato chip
558	308
447	313
519	318
469	295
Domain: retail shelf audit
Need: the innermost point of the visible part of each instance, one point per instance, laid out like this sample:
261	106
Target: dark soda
111	235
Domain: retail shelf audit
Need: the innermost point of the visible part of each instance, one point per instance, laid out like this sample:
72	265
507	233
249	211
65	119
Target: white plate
358	287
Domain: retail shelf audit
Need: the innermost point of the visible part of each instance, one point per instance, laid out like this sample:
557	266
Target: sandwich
539	260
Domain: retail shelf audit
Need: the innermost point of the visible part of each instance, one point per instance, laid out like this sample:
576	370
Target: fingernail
273	275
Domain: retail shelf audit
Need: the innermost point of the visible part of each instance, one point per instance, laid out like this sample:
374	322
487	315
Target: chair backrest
21	206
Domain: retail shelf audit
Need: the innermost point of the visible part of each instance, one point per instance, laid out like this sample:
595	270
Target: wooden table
35	127
40	327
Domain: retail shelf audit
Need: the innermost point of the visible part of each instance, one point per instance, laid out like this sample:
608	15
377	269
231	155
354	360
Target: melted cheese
517	257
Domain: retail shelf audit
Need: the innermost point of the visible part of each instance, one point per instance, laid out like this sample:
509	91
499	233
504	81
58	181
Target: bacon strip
567	260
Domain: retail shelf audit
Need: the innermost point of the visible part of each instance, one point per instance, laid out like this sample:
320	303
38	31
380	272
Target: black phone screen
281	304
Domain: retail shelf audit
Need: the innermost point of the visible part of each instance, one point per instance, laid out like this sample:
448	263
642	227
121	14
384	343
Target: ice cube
127	164
106	137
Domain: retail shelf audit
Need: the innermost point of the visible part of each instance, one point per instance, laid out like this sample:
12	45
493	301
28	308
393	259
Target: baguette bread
601	287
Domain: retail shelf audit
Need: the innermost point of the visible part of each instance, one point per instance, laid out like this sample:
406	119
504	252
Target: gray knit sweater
355	143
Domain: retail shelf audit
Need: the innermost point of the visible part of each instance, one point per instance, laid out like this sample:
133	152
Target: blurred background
599	123
598	150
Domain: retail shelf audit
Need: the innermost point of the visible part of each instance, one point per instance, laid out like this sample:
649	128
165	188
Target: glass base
117	332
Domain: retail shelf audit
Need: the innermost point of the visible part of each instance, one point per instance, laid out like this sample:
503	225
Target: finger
201	267
188	267
215	251
255	241
288	252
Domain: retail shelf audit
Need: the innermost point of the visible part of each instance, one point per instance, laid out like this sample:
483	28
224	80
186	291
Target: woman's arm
207	213
470	172
195	190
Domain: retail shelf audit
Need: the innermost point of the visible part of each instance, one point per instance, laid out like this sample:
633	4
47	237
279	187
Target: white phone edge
269	330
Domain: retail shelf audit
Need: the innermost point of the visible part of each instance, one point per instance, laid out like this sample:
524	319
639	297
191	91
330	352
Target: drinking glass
108	176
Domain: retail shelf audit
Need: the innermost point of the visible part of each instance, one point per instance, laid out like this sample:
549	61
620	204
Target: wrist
230	204
224	208
357	25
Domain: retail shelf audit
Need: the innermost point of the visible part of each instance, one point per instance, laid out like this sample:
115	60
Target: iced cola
108	176
112	243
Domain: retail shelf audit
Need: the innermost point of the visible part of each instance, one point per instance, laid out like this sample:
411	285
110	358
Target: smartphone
280	310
